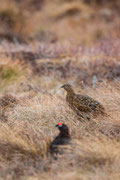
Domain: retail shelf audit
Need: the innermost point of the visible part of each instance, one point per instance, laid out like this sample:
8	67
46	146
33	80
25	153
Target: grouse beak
62	86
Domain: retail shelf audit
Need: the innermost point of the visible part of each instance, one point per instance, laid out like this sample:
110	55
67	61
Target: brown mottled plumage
82	103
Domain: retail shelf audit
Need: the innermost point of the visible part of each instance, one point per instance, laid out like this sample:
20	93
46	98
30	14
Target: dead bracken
8	100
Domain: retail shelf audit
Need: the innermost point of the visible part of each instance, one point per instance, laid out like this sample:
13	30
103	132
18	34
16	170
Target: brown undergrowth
26	136
32	102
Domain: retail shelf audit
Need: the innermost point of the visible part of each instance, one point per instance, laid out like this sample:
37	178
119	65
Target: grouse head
68	88
64	131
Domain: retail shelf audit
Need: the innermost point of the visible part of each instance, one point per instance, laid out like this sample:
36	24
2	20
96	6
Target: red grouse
82	103
63	138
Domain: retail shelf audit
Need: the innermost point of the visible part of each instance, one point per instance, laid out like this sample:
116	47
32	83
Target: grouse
82	103
63	138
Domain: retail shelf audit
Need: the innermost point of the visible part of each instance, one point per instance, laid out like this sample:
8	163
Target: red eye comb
60	124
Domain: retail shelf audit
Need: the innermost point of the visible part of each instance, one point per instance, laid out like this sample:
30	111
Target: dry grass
26	135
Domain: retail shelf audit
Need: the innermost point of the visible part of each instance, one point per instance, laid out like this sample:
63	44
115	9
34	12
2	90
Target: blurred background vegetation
79	21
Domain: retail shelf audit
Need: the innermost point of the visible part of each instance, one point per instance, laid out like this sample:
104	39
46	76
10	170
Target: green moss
9	76
9	73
